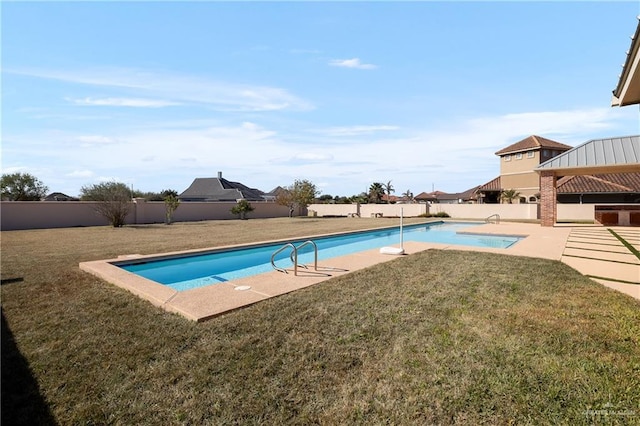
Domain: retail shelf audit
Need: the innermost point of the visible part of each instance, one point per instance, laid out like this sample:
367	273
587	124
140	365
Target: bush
242	208
439	214
114	200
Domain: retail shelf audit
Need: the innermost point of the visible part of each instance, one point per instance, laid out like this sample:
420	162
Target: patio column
548	207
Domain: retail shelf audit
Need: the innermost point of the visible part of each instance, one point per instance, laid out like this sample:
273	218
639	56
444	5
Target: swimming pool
187	272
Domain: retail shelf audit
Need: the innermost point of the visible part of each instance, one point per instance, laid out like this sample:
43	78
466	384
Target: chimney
219	175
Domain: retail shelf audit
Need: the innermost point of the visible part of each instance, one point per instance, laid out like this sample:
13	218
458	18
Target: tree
509	195
300	194
113	200
285	198
22	187
304	192
242	208
362	198
408	195
326	198
376	191
150	196
171	203
388	188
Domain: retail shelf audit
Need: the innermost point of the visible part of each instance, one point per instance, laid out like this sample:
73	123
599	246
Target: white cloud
452	158
179	88
123	102
572	122
80	174
89	140
357	130
305	158
351	63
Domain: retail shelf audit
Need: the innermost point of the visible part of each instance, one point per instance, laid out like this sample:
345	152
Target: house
439	197
220	189
59	196
517	169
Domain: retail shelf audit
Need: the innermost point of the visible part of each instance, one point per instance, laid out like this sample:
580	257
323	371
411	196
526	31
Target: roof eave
591	170
627	92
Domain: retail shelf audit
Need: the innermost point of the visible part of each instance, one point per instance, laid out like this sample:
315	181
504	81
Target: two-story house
517	164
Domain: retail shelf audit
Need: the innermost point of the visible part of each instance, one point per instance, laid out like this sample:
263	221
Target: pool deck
591	250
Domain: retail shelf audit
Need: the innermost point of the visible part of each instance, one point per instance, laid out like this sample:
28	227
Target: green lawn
440	337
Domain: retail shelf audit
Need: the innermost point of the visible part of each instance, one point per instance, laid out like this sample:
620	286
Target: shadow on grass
22	403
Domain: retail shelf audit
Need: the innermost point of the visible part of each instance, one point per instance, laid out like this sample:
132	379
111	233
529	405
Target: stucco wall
367	210
565	212
575	212
482	211
65	214
525	164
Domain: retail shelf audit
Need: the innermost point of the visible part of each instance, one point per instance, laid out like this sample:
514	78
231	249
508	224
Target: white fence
368	210
565	213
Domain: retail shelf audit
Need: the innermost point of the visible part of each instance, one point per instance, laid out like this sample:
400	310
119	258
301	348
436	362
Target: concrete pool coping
207	302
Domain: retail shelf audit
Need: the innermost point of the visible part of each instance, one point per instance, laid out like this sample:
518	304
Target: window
507	158
545	152
533	199
523	200
519	156
531	154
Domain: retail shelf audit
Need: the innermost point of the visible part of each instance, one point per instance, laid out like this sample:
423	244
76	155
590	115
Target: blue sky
422	94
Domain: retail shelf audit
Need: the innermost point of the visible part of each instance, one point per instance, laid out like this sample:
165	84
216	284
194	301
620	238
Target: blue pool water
193	271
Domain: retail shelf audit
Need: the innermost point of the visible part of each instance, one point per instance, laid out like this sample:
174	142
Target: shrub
242	208
114	200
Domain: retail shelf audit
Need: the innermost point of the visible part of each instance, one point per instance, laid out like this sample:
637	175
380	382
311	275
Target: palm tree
376	191
408	195
509	195
388	189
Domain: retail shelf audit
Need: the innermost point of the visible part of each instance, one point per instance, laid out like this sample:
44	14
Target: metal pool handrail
294	256
496	216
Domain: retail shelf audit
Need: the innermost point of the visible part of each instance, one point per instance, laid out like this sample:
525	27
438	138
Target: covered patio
612	155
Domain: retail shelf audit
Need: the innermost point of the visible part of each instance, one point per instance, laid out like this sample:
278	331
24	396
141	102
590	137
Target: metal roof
598	155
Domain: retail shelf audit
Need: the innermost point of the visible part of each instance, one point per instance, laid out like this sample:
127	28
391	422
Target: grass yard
440	337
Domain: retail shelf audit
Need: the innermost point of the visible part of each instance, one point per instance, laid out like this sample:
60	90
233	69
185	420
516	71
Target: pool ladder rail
494	217
294	257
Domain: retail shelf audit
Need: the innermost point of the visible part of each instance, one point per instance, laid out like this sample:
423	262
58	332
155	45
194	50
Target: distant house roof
620	154
610	183
627	92
429	196
220	189
276	191
492	185
445	196
533	143
59	196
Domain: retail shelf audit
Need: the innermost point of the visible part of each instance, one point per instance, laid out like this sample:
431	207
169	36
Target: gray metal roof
598	153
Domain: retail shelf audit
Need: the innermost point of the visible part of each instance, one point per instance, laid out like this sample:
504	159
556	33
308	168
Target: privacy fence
65	214
16	215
